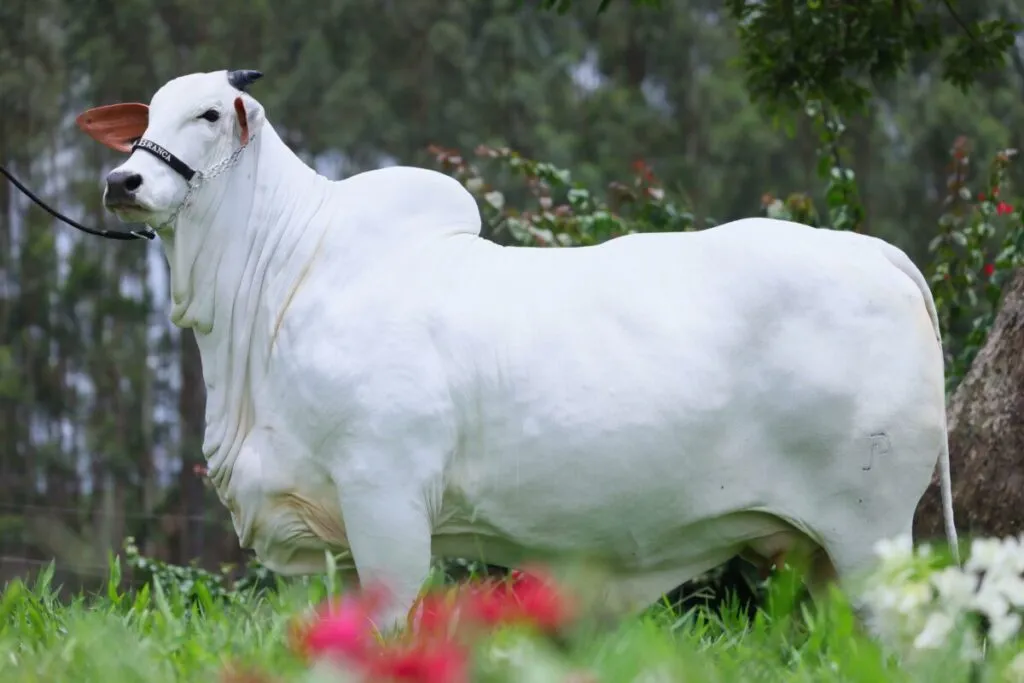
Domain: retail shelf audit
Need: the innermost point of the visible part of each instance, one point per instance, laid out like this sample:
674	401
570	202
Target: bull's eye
210	115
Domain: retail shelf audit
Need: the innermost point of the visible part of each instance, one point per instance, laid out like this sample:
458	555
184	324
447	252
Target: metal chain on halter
217	169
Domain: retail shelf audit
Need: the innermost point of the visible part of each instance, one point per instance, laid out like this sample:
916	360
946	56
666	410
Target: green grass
160	634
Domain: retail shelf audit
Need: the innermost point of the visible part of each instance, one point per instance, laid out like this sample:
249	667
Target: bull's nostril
121	187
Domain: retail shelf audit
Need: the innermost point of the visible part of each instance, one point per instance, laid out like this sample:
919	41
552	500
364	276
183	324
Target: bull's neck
235	254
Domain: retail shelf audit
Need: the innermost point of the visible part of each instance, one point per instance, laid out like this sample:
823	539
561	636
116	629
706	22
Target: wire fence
208	516
76	541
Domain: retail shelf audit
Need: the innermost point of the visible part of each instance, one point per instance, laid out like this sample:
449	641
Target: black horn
243	78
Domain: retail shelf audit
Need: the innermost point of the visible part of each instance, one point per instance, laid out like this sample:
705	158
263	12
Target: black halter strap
161	153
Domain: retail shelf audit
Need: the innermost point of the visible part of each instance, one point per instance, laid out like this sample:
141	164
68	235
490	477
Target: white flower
985	553
1004	629
1013	549
956	589
935	632
1012	587
990	601
1015	671
996	557
883	598
895	550
913	597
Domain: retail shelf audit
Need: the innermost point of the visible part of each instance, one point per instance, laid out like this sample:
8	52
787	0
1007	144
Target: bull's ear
115	125
248	116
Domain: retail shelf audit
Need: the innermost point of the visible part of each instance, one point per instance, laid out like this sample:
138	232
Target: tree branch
958	19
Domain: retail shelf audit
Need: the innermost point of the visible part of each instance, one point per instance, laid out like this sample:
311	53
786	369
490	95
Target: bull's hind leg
846	560
630	595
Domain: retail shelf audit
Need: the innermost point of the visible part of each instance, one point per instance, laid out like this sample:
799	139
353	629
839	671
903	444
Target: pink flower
1002	208
443	662
341	629
529	598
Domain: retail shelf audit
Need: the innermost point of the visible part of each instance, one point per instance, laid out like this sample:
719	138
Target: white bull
382	379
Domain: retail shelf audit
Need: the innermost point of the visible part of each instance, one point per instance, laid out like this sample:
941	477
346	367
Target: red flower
989	269
526	598
437	614
641	168
342	629
540	602
1002	208
487	603
441	663
433	653
981	196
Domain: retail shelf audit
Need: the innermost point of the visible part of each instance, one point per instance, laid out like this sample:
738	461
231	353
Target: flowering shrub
978	244
563	213
919	604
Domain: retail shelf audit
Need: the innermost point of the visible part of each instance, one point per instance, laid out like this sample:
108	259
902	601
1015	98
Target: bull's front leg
388	459
387	514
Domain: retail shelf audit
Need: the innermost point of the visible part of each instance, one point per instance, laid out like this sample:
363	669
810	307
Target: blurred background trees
851	115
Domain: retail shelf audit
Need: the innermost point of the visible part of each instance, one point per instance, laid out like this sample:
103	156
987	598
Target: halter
194	178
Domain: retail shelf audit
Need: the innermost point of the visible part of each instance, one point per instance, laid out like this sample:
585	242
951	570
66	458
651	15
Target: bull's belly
685	549
640	495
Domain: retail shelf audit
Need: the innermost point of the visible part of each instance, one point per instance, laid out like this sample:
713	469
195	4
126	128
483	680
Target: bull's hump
424	199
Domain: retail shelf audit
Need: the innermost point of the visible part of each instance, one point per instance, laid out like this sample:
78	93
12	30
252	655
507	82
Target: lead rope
109	234
145	233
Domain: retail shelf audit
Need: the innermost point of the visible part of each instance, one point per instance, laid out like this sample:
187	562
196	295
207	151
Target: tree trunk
986	435
191	409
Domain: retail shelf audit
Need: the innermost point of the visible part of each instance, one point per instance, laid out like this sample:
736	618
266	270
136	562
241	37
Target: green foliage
160	634
563	6
845	211
793	52
979	243
194	583
562	212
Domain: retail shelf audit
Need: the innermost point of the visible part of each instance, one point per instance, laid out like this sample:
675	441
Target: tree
986	438
794	52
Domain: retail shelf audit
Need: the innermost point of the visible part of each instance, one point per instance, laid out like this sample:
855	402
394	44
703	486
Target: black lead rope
109	234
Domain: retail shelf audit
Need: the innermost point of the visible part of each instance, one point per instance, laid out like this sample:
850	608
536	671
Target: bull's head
191	123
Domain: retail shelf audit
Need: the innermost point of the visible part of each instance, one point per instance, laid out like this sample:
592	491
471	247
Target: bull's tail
899	259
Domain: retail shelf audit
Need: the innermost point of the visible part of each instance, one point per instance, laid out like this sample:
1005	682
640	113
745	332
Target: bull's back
660	381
